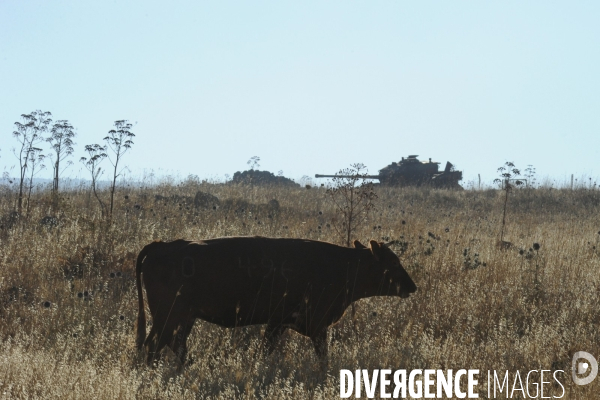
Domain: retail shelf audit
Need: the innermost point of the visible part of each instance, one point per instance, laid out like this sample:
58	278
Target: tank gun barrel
347	176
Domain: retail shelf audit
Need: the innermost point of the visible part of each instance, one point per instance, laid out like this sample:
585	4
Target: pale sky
312	86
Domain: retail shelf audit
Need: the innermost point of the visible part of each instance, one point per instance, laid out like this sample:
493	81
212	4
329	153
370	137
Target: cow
304	285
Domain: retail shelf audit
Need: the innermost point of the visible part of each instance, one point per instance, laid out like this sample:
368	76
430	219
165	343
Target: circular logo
580	367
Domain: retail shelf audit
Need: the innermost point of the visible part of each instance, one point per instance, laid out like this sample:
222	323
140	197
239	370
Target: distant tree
61	141
29	134
96	154
35	164
253	162
353	197
119	141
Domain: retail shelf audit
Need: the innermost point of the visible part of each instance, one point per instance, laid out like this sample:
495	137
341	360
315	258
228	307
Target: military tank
411	172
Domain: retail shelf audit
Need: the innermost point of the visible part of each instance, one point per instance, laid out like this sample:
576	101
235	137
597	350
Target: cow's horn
388	244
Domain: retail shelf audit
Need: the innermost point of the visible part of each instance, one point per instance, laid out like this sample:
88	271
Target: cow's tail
141	321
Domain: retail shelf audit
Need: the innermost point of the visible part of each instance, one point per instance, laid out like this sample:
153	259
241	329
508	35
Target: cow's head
387	265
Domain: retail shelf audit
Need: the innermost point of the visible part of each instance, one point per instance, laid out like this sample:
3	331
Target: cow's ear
358	245
376	249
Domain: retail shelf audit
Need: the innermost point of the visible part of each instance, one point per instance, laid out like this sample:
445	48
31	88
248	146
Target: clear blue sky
312	86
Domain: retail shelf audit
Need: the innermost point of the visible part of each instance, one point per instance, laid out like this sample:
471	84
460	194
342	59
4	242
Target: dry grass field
68	302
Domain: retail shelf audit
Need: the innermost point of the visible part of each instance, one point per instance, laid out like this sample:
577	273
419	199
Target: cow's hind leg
179	344
151	346
161	335
273	333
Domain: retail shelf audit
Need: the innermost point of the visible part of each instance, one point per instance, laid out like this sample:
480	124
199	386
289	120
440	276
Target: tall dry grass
68	299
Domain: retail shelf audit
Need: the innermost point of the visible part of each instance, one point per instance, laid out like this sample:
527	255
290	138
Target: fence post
571	181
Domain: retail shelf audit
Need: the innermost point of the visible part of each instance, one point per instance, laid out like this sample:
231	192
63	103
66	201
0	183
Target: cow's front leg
273	333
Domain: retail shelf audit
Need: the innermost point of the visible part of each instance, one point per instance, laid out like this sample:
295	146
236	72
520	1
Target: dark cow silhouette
300	284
